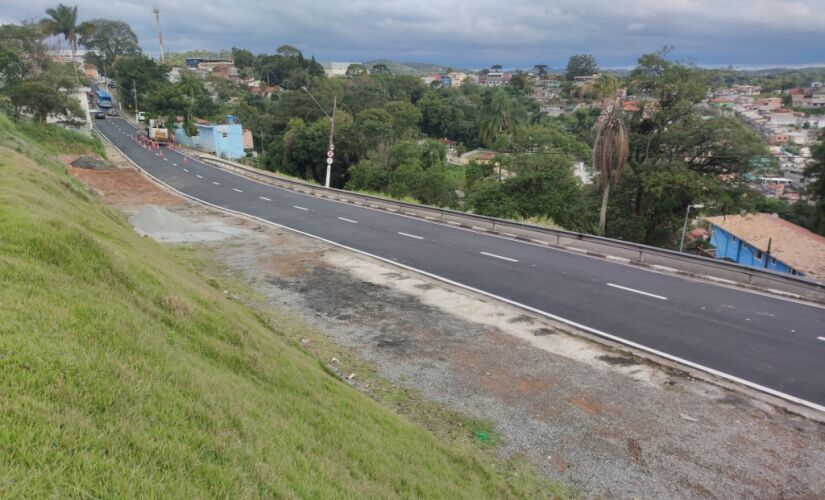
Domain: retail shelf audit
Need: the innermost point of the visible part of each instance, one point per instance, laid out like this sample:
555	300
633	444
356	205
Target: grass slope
124	374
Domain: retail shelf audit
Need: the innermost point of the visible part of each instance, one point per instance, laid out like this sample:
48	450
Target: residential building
494	79
225	140
766	241
581	81
457	78
783	119
206	63
336	68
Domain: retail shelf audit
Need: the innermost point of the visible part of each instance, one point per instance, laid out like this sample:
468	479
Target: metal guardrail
660	259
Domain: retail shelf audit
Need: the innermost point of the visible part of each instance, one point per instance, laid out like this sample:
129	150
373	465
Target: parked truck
158	132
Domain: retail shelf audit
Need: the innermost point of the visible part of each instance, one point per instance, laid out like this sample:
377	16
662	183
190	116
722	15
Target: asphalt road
775	344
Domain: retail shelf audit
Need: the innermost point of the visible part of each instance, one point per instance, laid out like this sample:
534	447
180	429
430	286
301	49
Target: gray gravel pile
90	162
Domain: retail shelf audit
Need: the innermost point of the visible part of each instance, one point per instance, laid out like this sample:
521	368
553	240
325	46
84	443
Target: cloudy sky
478	33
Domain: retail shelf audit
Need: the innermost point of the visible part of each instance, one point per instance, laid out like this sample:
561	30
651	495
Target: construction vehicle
158	132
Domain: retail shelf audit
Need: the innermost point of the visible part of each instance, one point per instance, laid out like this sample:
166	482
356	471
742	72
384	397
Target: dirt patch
589	406
122	185
600	421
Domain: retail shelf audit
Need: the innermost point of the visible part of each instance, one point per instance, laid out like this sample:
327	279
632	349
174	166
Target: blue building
768	242
224	140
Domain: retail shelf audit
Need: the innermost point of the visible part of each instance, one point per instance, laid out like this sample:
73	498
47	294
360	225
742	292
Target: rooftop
792	244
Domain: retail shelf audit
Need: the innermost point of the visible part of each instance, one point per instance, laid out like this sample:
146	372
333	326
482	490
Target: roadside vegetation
125	374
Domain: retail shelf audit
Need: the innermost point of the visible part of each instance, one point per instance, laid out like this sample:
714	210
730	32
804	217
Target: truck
158	132
104	99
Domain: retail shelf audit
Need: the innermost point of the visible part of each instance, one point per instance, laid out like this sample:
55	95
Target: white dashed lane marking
264	198
300	208
636	291
348	220
498	256
411	236
216	183
236	189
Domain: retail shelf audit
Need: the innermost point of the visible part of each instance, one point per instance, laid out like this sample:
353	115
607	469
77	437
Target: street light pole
684	227
331	149
134	94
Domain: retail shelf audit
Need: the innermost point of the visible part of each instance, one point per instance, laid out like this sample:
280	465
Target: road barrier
659	259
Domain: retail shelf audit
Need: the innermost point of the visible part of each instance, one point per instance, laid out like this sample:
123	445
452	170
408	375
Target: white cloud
635	27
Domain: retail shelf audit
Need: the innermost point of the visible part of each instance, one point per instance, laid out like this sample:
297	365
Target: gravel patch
603	422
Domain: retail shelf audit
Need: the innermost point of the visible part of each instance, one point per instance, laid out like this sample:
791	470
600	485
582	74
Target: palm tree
610	150
63	21
502	114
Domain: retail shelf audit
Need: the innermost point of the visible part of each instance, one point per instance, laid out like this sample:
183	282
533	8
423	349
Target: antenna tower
160	35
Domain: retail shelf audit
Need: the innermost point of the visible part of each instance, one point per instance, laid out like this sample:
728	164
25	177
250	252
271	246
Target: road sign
332	147
329	161
330	153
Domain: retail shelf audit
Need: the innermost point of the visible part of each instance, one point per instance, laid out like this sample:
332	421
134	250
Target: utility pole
160	35
331	150
134	94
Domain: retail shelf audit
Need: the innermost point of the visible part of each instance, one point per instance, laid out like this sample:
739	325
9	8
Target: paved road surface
770	342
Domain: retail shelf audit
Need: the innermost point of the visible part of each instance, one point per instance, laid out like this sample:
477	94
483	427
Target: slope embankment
124	374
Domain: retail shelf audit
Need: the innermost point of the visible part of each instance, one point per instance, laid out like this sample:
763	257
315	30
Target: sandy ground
608	424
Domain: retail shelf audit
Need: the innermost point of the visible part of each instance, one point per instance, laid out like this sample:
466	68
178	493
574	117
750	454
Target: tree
815	174
11	68
63	21
495	67
380	69
242	58
610	150
109	40
139	73
500	115
26	42
581	65
354	70
541	70
288	51
49	94
606	87
520	82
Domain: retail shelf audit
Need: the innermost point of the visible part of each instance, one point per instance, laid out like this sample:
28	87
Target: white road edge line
594	331
236	189
348	220
637	291
300	208
498	256
411	235
264	198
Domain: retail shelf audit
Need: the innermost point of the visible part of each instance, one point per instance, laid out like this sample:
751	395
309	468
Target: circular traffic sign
332	147
329	161
330	153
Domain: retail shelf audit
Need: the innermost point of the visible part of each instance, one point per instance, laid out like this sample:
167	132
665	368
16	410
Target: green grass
55	139
124	374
